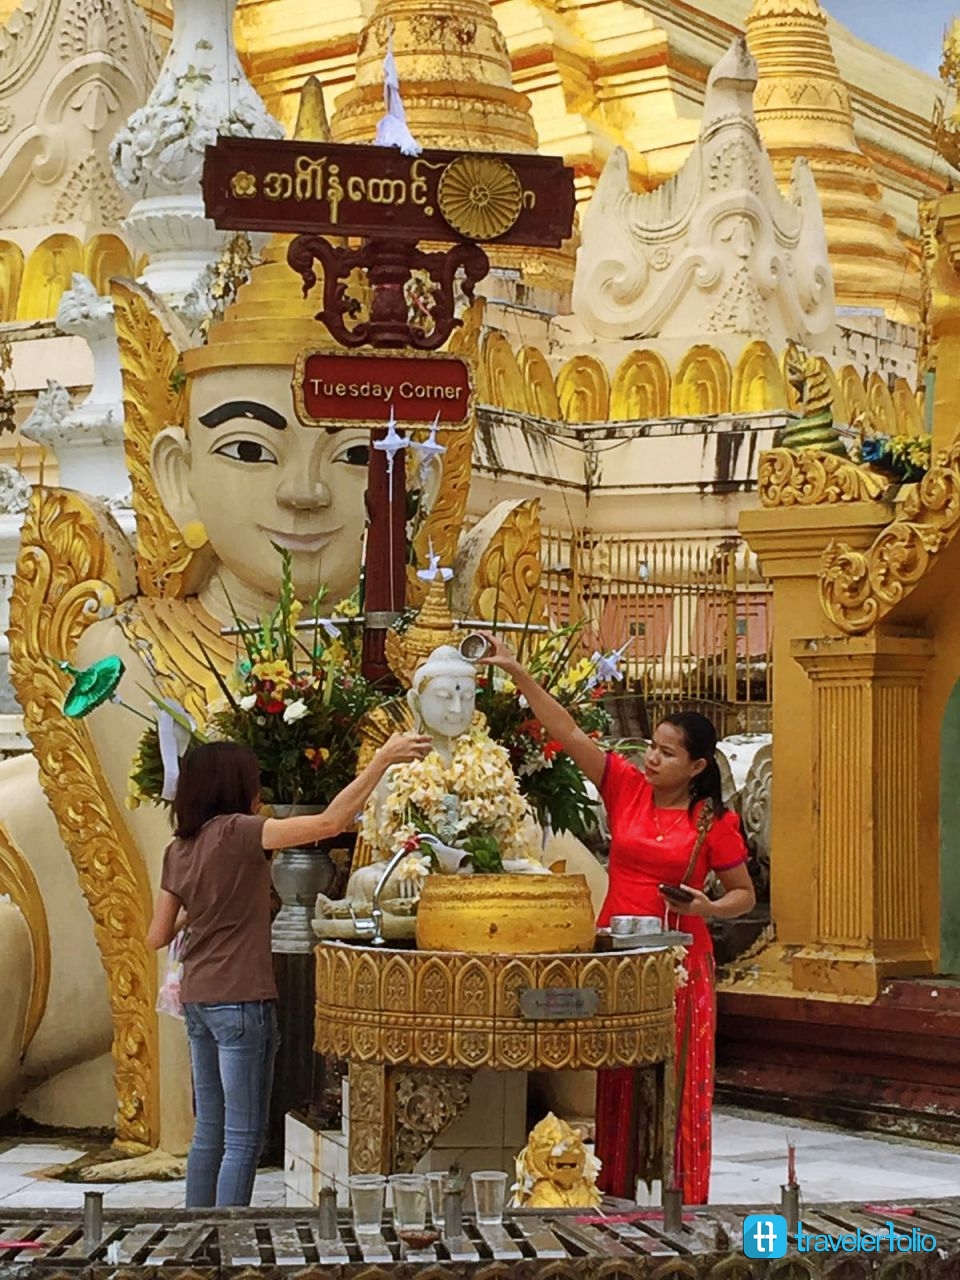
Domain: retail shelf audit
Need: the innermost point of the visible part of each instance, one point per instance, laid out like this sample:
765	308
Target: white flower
295	711
248	702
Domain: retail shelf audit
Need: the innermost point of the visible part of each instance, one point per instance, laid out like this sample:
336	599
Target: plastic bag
168	997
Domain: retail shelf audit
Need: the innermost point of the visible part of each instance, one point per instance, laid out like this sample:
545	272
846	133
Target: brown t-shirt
222	877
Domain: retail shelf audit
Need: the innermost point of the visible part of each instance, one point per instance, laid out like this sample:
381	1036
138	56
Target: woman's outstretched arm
284	833
556	719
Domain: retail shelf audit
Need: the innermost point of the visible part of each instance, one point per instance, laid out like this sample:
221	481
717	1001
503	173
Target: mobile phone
675	892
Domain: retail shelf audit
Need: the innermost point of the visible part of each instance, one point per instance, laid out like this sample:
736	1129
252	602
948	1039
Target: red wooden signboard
333	386
340	188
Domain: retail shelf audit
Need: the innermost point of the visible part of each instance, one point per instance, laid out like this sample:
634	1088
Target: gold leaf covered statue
555	1170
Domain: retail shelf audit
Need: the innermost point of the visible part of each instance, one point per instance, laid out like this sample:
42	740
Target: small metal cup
92	1217
327	1215
790	1207
452	1215
672	1210
474	646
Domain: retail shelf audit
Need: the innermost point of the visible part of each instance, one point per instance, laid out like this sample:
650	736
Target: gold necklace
660	832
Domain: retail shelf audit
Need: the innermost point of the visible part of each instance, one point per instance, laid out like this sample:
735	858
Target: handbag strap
704	823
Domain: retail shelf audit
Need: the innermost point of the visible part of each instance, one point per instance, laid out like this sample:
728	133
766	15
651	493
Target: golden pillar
789	542
865	701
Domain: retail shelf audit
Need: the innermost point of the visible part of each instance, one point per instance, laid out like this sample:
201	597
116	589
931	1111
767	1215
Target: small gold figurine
555	1170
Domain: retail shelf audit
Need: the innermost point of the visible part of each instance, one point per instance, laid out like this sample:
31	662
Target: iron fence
694	614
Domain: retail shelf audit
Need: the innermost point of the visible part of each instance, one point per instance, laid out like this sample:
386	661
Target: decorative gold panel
854	393
641	388
542	399
701	385
583	390
427	1009
506	584
504	383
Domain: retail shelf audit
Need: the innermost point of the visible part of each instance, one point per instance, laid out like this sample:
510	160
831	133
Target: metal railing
696	613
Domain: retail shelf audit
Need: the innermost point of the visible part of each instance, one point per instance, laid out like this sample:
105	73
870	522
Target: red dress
639	861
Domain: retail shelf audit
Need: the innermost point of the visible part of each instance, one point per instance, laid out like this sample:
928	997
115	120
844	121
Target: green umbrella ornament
94	685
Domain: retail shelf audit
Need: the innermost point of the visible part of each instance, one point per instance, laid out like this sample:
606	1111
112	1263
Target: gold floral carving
858	588
424	1104
479	196
153	398
369	1123
808	478
506	585
18	881
70	574
425	1009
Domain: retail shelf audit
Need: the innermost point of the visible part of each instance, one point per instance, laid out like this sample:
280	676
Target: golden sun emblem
243	184
479	196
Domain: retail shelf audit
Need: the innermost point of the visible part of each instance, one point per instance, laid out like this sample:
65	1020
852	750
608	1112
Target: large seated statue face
443	693
249	475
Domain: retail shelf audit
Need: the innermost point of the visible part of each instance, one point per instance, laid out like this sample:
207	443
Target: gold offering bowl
506	914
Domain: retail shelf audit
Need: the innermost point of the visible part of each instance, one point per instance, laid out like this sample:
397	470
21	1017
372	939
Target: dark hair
700	739
215	778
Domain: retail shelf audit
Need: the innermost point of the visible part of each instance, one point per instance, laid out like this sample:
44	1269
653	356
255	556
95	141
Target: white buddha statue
463	807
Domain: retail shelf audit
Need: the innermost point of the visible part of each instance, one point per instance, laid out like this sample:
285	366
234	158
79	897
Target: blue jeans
232	1052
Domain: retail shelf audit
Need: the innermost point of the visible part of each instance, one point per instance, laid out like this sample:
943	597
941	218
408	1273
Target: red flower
273	706
551	749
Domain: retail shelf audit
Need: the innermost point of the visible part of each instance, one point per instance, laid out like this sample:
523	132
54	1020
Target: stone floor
749	1164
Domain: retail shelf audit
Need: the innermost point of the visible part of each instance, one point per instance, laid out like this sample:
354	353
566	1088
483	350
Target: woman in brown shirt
216	878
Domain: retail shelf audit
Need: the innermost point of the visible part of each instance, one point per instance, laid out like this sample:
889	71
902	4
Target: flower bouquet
295	698
906	458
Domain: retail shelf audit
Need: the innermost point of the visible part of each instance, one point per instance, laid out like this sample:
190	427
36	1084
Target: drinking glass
489	1193
436	1190
409	1201
366	1200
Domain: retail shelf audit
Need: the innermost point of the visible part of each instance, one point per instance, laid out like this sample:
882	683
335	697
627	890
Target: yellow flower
335	654
346	609
278	671
296	609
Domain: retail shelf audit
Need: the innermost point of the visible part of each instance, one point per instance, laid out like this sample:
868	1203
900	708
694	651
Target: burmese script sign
335	189
364	388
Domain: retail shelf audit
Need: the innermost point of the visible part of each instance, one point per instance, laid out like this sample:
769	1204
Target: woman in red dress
655	814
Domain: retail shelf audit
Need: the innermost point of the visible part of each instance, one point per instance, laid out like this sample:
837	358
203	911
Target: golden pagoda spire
455	78
803	109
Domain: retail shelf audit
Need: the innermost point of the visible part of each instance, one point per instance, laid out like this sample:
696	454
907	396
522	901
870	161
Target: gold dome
455	78
803	109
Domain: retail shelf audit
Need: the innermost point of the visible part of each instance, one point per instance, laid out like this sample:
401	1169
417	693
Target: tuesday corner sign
334	386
